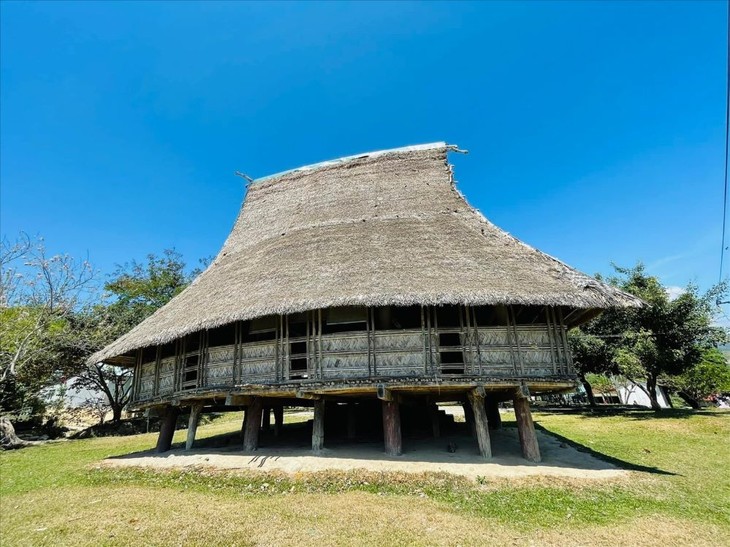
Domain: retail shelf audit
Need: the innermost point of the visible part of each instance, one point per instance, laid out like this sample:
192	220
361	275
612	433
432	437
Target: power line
727	133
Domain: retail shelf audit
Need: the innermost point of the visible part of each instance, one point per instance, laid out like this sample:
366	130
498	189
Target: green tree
664	338
134	292
711	376
591	357
39	296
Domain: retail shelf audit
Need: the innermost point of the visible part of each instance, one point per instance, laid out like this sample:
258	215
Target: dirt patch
420	455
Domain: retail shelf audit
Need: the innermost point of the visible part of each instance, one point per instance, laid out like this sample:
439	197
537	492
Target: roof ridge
345	159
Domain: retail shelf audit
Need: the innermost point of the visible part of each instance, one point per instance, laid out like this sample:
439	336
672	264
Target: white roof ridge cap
374	154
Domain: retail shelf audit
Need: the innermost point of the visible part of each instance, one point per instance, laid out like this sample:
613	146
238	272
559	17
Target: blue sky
595	130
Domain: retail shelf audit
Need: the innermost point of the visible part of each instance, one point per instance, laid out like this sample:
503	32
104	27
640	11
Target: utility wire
727	133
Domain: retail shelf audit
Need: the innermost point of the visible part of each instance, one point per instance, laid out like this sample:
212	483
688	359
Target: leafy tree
664	338
136	290
710	376
591	357
601	384
39	296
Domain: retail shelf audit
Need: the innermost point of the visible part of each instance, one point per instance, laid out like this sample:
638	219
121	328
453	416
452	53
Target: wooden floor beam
195	411
526	429
391	428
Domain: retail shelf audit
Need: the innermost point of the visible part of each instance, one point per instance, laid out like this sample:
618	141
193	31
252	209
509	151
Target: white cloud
675	292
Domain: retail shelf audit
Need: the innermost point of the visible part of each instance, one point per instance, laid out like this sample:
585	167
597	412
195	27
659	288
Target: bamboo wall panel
147	381
535	350
167	376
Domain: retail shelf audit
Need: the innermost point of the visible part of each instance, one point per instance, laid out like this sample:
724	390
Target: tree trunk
651	392
8	439
691	401
116	412
589	390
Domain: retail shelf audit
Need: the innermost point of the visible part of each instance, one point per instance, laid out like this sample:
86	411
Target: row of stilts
480	409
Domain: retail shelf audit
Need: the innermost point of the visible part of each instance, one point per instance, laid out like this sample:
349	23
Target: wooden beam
307	395
391	428
195	411
237	400
526	429
469	418
278	419
494	418
435	420
351	420
167	429
385	394
266	419
318	427
480	423
252	424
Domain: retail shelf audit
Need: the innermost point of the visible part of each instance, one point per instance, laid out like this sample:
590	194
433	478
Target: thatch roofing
385	228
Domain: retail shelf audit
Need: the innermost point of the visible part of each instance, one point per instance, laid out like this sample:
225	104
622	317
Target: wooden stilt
476	402
278	419
252	425
493	415
391	428
351	420
266	419
167	428
243	422
526	429
469	419
318	426
435	420
195	411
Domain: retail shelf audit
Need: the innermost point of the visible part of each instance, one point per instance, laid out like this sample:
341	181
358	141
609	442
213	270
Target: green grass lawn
678	492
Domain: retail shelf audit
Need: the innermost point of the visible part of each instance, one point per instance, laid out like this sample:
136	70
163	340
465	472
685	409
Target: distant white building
630	393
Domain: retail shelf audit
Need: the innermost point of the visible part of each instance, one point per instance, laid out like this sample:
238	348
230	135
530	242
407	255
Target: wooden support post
391	428
266	419
167	428
435	420
278	419
469	419
493	416
351	420
252	425
526	429
195	411
318	426
476	401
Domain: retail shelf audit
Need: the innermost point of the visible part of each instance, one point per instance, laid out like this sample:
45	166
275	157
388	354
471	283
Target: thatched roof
385	228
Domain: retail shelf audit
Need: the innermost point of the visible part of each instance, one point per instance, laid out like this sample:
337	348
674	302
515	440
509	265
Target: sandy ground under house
420	455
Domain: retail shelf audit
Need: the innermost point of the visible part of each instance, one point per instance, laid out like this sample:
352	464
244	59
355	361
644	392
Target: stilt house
367	280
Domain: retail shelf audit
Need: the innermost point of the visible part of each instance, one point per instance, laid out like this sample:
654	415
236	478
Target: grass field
678	493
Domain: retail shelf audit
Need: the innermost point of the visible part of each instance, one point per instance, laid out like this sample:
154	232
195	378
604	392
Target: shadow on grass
623	464
629	412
